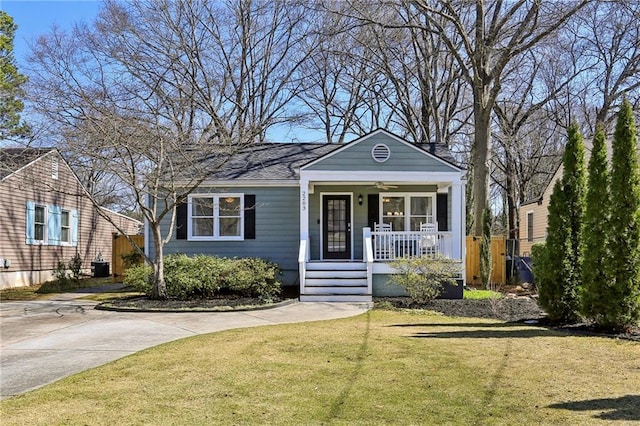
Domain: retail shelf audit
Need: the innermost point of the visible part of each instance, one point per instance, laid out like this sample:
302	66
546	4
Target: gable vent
380	153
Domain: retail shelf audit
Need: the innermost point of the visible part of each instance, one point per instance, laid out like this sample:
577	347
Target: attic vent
54	168
380	153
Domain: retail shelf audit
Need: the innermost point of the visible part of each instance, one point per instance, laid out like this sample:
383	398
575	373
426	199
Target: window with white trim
65	227
529	226
39	224
216	217
405	212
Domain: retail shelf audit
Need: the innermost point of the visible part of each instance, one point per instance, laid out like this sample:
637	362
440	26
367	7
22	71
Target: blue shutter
54	226
31	219
74	227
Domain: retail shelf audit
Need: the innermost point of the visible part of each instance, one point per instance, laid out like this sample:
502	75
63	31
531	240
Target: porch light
360	199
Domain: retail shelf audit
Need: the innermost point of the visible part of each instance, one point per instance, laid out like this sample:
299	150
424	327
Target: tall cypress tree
11	82
595	294
624	303
558	290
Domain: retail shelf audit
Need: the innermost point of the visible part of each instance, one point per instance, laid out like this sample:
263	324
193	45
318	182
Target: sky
35	18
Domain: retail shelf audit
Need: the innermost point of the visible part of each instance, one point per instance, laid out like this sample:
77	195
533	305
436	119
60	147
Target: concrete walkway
44	341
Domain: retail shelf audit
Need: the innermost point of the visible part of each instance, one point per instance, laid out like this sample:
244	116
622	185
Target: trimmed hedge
202	277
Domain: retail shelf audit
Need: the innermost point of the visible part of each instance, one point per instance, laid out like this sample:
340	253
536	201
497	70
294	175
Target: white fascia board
375	176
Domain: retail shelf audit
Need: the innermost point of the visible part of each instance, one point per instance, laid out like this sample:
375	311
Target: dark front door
336	227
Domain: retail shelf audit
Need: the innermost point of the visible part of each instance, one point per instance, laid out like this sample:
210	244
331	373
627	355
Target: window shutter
442	207
54	225
249	217
31	219
181	221
74	227
373	210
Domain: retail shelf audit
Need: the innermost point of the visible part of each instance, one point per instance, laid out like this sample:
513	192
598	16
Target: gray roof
277	161
281	161
13	159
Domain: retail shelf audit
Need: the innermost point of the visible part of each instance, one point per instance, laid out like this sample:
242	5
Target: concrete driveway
44	341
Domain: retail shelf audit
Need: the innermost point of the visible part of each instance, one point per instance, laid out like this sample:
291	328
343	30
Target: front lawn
382	367
43	291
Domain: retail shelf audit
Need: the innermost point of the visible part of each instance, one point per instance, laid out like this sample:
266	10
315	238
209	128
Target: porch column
458	225
304	210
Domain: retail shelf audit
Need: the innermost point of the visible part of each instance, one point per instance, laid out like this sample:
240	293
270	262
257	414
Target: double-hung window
39	224
216	217
65	227
405	212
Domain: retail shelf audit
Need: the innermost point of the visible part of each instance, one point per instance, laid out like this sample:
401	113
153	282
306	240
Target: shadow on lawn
621	408
483	330
338	405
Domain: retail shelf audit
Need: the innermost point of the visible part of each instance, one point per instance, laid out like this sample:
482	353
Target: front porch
346	196
353	280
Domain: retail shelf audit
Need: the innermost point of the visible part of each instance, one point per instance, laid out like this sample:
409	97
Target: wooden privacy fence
498	260
122	246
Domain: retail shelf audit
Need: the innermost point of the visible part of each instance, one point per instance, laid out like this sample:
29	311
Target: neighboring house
46	216
312	209
533	217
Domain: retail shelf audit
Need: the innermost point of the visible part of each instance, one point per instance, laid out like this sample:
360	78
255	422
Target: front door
336	226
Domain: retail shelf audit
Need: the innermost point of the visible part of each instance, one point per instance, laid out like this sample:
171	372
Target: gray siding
277	231
403	158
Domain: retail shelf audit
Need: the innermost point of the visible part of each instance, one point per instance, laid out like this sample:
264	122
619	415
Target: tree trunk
480	162
159	290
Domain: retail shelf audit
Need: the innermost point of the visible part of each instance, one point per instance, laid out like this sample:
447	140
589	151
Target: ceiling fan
382	186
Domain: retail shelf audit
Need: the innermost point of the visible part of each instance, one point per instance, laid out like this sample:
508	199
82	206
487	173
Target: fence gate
119	246
498	260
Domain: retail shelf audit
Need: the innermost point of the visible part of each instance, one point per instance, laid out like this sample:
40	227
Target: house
313	209
46	217
533	217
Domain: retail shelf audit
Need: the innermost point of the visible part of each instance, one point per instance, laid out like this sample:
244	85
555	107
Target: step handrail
367	246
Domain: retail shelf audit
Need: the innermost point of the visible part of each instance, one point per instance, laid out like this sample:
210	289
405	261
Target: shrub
624	264
206	276
139	278
253	277
60	273
75	266
424	277
560	280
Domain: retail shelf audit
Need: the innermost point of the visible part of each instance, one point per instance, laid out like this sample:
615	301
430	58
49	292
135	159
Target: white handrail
303	256
368	258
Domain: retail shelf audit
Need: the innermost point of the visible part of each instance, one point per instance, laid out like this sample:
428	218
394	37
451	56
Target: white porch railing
402	244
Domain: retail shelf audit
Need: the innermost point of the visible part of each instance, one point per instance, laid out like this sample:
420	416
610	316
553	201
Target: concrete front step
336	298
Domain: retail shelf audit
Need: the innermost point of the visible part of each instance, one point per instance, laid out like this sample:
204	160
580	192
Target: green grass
481	294
42	291
382	367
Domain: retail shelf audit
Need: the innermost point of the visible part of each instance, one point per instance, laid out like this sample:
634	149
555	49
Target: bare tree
605	39
160	94
492	33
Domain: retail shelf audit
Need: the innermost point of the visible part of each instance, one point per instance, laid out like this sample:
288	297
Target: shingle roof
277	161
13	159
281	161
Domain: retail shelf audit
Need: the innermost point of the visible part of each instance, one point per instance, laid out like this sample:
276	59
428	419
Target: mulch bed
520	309
510	309
227	303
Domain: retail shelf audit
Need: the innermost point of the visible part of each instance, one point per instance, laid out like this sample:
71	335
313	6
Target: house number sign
304	200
